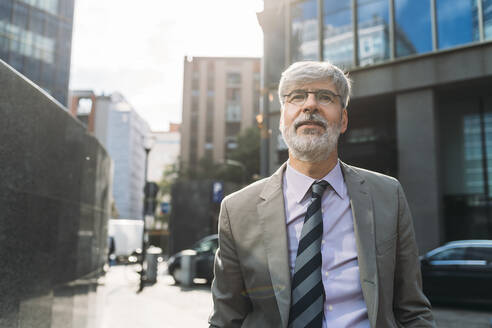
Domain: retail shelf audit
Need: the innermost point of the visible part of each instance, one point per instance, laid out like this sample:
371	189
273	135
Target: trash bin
151	257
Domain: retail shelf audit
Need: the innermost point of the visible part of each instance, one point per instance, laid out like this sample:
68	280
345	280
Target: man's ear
344	123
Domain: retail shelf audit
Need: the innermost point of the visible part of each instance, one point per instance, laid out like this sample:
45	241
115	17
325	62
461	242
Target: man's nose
311	103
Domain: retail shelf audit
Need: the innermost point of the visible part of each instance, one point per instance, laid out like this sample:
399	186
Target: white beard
311	145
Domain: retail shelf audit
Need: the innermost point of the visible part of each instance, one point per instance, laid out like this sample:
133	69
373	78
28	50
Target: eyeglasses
323	97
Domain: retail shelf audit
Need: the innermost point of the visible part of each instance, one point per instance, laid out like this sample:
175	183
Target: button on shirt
344	305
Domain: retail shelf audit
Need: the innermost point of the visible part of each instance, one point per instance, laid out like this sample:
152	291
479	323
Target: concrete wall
418	158
433	69
55	185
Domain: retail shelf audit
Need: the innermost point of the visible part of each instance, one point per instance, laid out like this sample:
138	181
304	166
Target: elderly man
319	243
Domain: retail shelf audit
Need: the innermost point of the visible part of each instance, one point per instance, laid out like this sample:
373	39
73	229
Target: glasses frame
316	93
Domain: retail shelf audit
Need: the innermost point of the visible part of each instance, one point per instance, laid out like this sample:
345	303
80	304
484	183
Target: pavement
162	305
166	305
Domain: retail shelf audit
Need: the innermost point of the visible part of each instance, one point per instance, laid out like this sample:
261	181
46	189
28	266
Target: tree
241	166
248	152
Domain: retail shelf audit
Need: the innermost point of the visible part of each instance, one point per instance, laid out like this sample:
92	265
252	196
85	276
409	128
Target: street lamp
147	145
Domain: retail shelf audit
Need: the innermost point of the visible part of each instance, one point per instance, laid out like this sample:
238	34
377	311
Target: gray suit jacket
252	285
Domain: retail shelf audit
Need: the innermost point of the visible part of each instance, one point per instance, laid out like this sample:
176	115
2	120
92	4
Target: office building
220	98
164	152
421	108
121	130
36	39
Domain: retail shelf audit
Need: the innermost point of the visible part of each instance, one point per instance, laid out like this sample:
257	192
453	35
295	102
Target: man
319	243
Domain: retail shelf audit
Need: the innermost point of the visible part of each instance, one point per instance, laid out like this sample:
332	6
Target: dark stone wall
55	186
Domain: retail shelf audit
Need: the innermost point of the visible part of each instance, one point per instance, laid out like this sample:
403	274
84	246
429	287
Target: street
165	305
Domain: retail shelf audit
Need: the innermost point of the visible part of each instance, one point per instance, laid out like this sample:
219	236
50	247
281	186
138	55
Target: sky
138	47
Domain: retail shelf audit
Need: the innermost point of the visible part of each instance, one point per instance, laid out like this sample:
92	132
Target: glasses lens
297	97
325	97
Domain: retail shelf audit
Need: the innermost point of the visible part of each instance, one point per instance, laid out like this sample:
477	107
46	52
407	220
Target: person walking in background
319	243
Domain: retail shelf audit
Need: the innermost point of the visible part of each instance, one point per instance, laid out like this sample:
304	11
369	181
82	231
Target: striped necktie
307	287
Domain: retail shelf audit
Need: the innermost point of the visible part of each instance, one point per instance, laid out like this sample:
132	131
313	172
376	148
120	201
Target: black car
459	271
204	260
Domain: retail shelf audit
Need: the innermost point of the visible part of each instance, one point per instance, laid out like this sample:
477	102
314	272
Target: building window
231	142
466	155
304	40
20	15
233	79
233	97
195	80
194	104
413	31
209	130
210	79
338	34
4	47
50	6
487	18
457	23
256	93
373	31
233	112
5	10
371	140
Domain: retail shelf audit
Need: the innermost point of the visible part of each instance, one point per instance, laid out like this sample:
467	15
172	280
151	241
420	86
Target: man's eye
324	96
297	96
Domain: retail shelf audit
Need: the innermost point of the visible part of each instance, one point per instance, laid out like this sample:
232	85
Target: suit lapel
271	212
363	216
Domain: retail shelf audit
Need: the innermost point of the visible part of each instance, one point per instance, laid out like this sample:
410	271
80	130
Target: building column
418	160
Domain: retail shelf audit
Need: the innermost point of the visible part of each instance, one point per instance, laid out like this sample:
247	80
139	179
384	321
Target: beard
311	145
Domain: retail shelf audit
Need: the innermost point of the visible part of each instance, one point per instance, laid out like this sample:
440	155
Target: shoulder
374	179
249	194
261	189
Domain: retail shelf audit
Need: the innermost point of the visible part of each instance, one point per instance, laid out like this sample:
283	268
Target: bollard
188	267
151	257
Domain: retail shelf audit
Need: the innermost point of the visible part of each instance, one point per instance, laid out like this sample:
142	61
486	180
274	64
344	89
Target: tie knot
319	187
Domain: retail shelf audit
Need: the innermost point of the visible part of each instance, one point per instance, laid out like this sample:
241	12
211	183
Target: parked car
204	260
459	271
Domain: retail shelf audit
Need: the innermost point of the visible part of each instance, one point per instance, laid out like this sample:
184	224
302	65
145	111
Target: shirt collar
302	183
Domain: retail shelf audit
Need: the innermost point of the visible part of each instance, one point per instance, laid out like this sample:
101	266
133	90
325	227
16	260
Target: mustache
310	119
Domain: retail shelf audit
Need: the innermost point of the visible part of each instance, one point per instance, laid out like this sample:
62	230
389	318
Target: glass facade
304	35
487	18
34	35
466	143
373	31
457	22
338	33
413	27
409	31
370	142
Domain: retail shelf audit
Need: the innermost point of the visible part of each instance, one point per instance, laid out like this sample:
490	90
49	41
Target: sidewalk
162	305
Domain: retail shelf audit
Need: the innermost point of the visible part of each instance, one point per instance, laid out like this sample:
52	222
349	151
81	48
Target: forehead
326	85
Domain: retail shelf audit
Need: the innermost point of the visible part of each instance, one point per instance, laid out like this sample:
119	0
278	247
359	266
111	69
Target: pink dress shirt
344	304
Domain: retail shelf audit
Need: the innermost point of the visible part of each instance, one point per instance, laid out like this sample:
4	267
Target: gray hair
305	72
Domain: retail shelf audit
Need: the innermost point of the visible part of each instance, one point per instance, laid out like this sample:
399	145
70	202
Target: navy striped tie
307	287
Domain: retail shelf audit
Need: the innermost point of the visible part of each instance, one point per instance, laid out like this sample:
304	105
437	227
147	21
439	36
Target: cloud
137	48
